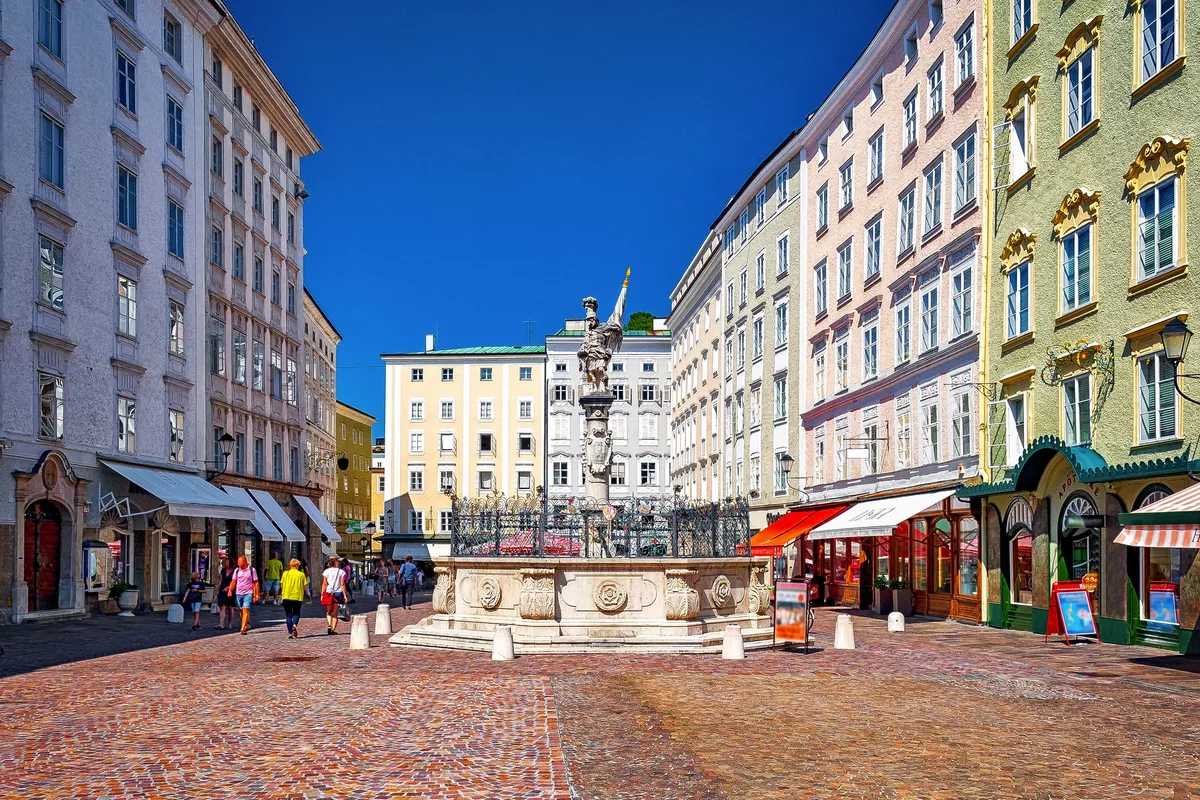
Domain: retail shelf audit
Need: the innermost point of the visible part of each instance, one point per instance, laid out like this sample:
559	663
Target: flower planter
883	601
902	601
127	602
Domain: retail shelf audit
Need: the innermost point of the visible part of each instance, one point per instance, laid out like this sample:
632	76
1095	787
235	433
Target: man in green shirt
271	574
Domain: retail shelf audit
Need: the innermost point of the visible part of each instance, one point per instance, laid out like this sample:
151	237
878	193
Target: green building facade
1091	104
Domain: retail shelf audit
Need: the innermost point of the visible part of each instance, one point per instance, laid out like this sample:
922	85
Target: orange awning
771	540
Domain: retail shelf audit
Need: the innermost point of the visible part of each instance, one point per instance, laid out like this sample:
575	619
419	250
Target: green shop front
1062	513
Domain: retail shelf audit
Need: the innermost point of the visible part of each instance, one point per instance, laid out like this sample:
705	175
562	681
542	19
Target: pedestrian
292	586
393	577
381	579
193	595
307	576
271	573
333	593
225	601
408	582
348	572
244	588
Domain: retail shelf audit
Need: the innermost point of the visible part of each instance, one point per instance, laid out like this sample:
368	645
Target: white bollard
383	620
175	614
895	622
360	637
733	648
502	644
843	633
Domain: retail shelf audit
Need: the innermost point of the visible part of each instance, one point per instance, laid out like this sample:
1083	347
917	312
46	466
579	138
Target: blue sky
487	163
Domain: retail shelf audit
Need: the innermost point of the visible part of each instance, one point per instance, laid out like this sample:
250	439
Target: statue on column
600	341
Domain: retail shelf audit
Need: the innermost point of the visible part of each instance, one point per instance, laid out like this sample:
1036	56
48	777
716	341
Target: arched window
1018	526
1080	546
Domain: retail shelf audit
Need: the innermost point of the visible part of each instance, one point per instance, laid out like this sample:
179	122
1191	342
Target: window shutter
1083	268
1068	282
1146	248
997	412
1166	398
1166	239
1147	407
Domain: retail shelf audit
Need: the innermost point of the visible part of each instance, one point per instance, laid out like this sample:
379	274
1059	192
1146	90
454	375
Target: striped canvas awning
1173	521
1160	536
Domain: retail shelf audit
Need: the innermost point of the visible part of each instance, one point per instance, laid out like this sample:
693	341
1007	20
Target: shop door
43	537
941	569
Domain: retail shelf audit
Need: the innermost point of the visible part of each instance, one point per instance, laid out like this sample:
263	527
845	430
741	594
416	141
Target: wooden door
43	539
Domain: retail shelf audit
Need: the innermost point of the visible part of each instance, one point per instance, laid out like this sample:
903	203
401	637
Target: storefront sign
354	526
791	612
1090	581
1071	612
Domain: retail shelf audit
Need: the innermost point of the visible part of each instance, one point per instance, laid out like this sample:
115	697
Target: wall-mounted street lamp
225	443
1176	336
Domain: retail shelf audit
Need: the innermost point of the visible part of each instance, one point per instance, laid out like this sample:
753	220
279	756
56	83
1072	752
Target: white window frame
1017	315
1076	291
933	197
1150	199
781	187
903	330
873	248
935	80
1149	399
962	298
906	220
1152	59
911	119
964	51
965	172
870	349
821	288
929	316
846	185
875	159
1074	434
782	254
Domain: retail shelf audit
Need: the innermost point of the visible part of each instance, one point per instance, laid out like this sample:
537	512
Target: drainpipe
986	247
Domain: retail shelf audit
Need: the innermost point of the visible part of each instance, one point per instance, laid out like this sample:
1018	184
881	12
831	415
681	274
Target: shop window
900	546
168	563
882	560
839	561
943	557
1021	561
968	556
920	555
1161	570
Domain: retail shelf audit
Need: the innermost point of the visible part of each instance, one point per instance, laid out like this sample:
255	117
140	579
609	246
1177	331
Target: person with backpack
333	594
193	595
244	588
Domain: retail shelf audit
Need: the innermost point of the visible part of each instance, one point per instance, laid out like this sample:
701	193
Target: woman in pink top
244	587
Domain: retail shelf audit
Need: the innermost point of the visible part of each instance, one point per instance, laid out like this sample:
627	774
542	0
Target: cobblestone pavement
122	709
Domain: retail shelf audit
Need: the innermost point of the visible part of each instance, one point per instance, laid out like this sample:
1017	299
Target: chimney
430	342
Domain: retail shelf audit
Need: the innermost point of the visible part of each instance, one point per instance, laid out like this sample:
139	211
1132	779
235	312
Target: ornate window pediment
1085	35
1078	208
1018	248
1025	91
1159	158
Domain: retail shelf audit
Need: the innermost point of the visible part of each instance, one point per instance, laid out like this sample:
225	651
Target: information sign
1071	612
791	612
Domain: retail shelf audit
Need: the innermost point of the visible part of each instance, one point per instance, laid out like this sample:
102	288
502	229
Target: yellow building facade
466	421
354	482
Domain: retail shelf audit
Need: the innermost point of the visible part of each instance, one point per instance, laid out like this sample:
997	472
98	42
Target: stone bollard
360	637
383	620
502	644
175	614
895	622
733	648
843	633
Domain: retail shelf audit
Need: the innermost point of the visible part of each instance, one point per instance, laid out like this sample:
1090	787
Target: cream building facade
466	421
321	341
696	405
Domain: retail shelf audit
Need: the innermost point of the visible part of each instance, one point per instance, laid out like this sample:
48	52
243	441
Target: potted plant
883	596
126	595
902	598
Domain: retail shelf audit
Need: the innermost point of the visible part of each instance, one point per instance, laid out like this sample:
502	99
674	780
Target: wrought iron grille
532	526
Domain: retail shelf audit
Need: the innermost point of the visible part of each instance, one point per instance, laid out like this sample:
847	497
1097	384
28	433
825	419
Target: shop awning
421	551
316	516
185	495
277	515
771	540
1173	521
877	517
261	522
327	550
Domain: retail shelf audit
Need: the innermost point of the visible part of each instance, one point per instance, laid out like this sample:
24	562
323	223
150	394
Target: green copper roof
497	350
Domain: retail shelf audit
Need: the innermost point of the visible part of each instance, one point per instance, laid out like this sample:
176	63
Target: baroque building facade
321	340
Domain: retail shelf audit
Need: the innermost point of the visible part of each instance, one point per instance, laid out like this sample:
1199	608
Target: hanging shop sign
792	613
1071	612
1090	581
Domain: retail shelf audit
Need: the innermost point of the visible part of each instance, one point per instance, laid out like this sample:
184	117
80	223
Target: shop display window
943	564
854	561
168	563
808	565
900	547
882	559
920	555
97	566
1161	570
839	561
202	563
1021	559
968	556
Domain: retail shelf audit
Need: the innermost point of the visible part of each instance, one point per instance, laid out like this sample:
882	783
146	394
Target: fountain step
423	635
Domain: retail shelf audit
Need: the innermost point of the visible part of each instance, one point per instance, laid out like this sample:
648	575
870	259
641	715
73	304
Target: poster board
1163	607
791	612
1071	612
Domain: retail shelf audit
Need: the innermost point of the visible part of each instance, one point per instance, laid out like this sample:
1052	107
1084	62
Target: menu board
791	612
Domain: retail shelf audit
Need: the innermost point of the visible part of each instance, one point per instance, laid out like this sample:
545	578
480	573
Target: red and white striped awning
1160	536
1173	521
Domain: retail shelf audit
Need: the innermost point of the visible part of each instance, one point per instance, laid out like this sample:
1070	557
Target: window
1159	29
447	373
730	239
258	196
485	410
275	288
291	228
175	329
446	410
649	473
50	26
217	347
936	95
741	349
907	221
823	150
276	375
51	164
819	375
647	428
1006	430
416	411
910	120
446	442
846	184
743	288
823	207
237	95
126	199
562	393
911	49
961	429
256	118
873	236
175	442
525	409
760	206
485	373
416	521
51	273
290	394
217	69
216	247
1157	415
649	392
559	474
239	357
964	49
275	212
618	390
935	13
50	391
1156	229
960	302
780	405
760	271
930	434
933	197
172	38
870	341
175	229
1022	18
417	374
781	255
903	439
525	442
903	330
841	362
294	464
820	288
847	122
526	373
260	458
1018	300
174	124
744	224
781	186
258	365
1077	409
964	172
1077	268
1080	109
781	325
877	90
258	275
291	299
729	300
929	318
126	306
875	157
845	266
1020	149
274	141
756	338
126	425
239	177
126	83
416	479
239	453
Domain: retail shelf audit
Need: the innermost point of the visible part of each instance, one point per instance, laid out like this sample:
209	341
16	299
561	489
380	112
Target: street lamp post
1176	336
225	443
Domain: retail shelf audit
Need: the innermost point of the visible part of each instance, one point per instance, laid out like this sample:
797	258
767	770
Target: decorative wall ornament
1026	89
443	591
487	590
760	593
1083	36
1078	208
1018	248
609	595
537	593
1159	158
1070	357
722	592
681	601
